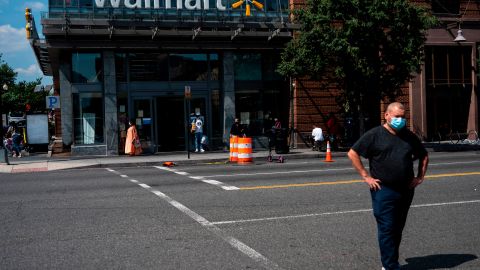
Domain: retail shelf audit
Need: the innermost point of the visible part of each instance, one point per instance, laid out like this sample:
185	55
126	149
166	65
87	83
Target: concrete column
66	104
418	103
228	95
473	117
110	99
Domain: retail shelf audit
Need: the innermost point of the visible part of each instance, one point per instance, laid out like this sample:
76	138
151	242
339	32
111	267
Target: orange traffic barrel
233	149
245	155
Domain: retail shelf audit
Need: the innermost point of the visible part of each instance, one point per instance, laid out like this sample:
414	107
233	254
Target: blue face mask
398	123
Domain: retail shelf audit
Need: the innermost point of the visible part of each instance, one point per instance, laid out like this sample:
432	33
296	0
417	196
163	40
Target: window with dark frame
446	6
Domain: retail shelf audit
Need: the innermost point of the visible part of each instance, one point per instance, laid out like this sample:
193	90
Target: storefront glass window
88	118
248	105
188	67
269	67
122	104
214	67
148	66
248	66
56	3
120	67
277	5
446	6
217	130
85	3
86	67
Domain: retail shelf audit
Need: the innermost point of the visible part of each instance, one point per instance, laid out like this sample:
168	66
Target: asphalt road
302	214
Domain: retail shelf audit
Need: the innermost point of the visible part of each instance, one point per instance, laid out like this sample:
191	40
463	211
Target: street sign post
188	92
188	97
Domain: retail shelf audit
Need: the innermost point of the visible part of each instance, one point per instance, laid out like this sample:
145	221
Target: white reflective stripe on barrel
245	145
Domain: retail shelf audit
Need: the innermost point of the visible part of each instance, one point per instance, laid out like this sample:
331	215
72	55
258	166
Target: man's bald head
395	105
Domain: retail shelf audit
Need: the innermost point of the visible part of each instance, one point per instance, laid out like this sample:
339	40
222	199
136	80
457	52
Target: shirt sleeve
363	145
418	148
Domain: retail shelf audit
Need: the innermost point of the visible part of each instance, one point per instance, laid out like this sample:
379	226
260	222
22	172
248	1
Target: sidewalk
40	162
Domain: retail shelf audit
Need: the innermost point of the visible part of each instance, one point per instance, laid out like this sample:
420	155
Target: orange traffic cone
328	157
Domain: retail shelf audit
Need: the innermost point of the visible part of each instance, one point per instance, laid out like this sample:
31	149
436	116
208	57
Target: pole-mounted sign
188	92
53	102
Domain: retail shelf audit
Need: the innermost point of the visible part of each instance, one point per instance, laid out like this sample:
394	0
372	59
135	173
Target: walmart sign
180	4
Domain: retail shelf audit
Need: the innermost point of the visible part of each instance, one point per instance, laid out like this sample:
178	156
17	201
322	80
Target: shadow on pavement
440	261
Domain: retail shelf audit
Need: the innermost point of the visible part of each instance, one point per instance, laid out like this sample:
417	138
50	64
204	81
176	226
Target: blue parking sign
53	102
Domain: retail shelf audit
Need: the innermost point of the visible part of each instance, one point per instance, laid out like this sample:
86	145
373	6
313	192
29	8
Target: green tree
19	94
7	75
368	49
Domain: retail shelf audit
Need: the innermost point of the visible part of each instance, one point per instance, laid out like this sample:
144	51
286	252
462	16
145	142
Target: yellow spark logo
248	2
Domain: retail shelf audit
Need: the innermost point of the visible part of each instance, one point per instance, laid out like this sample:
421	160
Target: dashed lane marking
349	168
235	243
201	178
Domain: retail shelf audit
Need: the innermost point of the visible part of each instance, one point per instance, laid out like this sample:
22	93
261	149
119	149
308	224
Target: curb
210	161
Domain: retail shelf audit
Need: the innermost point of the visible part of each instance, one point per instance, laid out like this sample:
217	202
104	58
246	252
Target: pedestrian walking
332	130
133	146
317	135
277	124
16	142
197	125
391	150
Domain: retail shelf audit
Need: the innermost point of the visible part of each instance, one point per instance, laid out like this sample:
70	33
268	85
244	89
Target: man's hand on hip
373	183
416	181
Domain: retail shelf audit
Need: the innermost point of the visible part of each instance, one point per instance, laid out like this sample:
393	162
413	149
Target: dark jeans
16	149
390	208
198	141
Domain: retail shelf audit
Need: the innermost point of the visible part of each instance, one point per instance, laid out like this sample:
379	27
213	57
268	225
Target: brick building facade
443	98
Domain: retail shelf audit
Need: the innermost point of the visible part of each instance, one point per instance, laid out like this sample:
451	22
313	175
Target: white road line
443	204
133	181
271	173
201	178
453	163
322	170
123	175
334	213
165	168
220	184
144	186
235	243
290	217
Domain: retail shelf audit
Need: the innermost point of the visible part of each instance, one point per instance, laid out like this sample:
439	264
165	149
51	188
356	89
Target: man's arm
373	183
422	170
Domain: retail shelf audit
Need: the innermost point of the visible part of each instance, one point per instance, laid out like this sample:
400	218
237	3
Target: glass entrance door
170	125
143	119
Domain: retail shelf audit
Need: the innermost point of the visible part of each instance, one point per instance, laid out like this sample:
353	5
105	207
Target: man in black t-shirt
236	129
391	150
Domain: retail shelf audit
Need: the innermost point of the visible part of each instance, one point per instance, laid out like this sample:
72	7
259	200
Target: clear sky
13	42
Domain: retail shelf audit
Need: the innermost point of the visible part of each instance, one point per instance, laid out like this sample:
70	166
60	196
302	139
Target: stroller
277	139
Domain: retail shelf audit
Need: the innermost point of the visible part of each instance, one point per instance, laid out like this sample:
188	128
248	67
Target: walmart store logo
248	2
175	4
